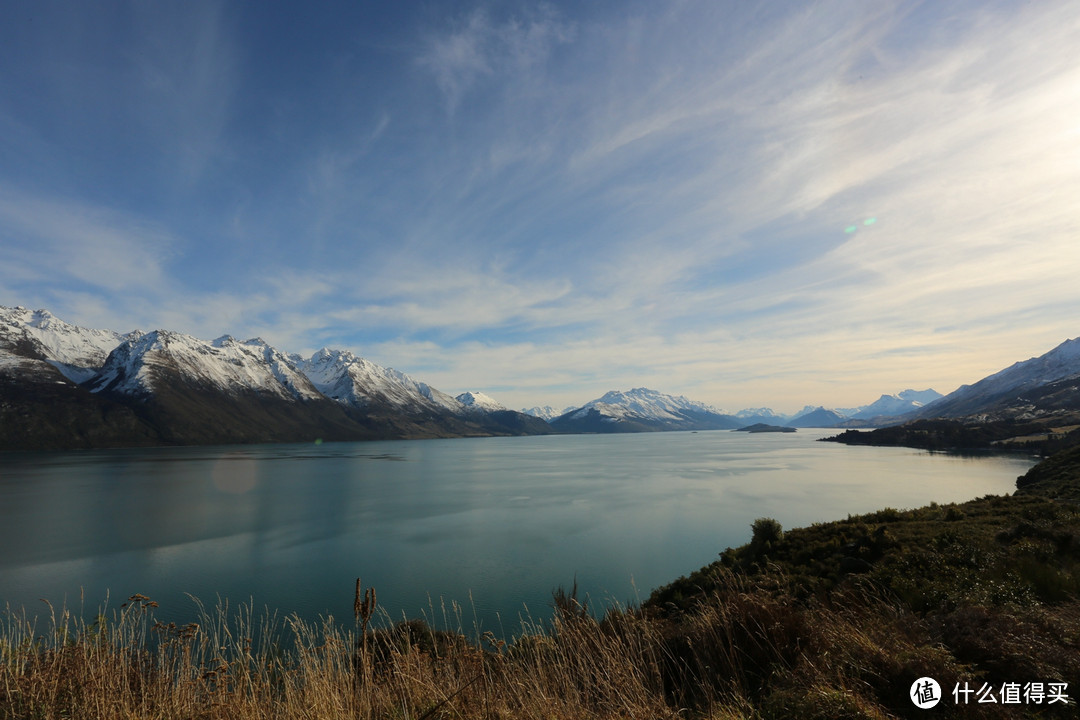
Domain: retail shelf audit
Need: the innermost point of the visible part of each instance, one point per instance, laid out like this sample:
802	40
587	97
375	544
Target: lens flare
851	229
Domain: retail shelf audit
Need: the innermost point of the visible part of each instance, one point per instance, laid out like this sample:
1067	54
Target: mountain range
642	409
62	385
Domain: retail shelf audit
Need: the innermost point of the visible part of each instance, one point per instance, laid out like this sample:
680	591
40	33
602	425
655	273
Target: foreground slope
839	619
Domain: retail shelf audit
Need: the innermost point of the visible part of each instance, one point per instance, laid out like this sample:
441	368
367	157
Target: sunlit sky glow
751	204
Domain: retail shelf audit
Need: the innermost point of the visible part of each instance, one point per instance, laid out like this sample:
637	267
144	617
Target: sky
749	204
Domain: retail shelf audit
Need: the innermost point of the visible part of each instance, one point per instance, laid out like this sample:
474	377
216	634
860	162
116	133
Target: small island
762	427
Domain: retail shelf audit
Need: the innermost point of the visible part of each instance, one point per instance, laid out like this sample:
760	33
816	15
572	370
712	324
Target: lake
492	523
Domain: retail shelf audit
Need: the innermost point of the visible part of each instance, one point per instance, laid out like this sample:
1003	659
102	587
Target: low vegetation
836	620
1046	435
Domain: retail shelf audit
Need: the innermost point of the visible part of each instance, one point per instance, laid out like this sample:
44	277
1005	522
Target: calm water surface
494	523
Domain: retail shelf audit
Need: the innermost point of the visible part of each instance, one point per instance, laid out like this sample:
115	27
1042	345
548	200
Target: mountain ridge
63	386
1004	392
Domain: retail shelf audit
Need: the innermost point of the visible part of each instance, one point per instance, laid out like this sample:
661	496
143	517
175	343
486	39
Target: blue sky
750	204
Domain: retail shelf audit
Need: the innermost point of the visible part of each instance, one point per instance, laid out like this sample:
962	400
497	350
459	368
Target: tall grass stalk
232	664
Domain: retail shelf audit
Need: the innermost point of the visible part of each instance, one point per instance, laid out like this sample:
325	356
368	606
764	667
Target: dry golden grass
748	649
227	665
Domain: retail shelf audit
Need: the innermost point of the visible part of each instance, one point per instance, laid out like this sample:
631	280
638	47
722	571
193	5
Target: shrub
767	532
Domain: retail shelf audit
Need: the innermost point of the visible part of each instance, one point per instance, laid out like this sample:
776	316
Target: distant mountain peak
479	402
353	380
643	409
547	412
651	403
816	417
757	412
901	403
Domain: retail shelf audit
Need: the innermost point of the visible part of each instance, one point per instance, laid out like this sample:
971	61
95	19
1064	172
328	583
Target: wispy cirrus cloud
184	66
53	239
479	46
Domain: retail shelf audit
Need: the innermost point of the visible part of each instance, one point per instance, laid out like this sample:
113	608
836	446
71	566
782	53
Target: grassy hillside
838	619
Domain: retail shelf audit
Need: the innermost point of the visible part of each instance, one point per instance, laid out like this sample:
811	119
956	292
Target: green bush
767	532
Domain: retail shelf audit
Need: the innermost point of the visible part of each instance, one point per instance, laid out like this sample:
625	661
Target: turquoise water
492	523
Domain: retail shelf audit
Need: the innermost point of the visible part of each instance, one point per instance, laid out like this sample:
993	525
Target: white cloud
451	299
58	239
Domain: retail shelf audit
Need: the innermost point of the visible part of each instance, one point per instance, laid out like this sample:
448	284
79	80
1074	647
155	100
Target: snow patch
353	380
77	352
479	402
137	364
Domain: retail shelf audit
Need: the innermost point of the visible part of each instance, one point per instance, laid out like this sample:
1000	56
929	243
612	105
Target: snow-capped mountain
166	387
761	416
759	413
815	417
805	411
353	380
544	413
144	364
77	352
1016	389
474	402
643	409
893	405
547	413
643	402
